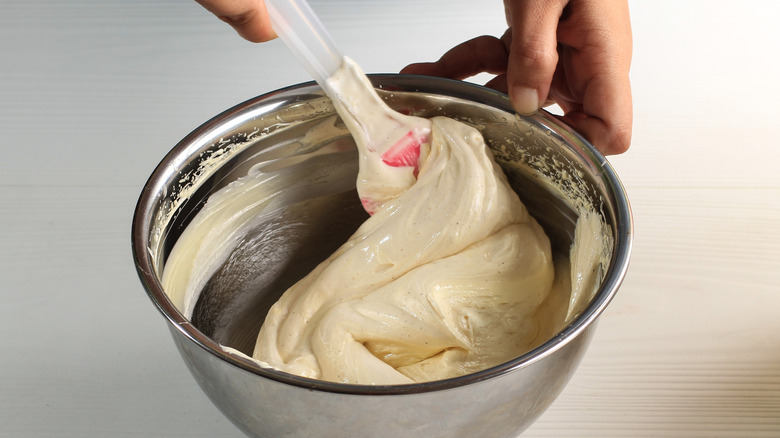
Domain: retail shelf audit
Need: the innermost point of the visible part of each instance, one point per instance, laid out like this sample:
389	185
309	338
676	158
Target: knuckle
534	55
619	142
239	20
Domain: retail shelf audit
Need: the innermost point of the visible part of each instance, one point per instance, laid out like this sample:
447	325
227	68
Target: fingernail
525	100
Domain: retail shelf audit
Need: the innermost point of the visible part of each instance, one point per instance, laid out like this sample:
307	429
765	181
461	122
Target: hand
576	53
248	17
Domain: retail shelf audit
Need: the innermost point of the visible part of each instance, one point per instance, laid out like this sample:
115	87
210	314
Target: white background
94	93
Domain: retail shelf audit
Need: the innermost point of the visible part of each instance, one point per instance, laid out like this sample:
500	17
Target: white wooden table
94	93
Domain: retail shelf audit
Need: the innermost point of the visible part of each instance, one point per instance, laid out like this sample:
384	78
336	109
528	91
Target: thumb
533	54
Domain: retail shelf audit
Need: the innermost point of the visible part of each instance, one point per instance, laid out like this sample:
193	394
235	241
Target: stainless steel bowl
552	168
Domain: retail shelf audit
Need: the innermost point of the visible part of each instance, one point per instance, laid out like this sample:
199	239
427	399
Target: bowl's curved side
492	408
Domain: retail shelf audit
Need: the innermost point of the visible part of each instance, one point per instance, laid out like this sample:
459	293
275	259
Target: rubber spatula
389	142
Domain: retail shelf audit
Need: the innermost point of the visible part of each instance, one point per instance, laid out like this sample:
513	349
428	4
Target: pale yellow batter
449	275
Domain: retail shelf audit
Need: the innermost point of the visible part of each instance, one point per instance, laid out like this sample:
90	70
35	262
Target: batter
450	274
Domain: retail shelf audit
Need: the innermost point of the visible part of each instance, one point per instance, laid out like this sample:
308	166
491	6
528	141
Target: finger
484	54
248	17
603	113
498	83
606	116
532	51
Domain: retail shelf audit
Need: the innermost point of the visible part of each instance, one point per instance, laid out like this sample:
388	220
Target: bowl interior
295	134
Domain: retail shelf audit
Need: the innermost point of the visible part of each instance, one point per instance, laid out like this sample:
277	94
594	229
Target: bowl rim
140	232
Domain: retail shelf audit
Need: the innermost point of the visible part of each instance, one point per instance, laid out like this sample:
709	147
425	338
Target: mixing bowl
295	132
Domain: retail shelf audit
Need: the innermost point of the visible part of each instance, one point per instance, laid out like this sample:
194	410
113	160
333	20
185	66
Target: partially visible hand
248	17
576	53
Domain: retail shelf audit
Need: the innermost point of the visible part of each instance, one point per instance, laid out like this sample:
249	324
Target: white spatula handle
303	33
